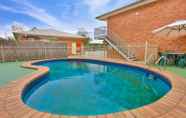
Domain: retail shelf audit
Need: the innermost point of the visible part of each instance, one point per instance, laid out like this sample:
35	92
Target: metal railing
122	45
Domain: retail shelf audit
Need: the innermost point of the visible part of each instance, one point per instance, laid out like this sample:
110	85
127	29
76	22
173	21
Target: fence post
146	51
45	53
128	53
2	53
104	52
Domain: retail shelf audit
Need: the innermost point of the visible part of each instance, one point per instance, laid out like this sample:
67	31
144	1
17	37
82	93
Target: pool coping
173	104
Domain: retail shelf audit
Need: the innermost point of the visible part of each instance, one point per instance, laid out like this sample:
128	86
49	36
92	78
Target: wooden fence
34	50
31	50
29	53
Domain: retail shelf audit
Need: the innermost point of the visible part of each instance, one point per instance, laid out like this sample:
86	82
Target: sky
63	15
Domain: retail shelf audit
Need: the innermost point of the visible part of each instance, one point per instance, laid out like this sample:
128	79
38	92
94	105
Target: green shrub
182	62
163	62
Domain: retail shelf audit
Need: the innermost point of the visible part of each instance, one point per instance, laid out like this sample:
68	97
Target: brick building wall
135	26
80	43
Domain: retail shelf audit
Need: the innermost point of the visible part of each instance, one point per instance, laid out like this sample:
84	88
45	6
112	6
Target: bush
182	62
163	61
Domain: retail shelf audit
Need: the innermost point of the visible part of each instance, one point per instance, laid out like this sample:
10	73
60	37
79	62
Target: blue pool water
90	87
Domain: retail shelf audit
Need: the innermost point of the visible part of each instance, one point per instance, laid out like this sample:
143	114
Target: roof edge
125	8
23	33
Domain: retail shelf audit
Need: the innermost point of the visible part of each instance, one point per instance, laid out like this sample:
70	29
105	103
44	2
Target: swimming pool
91	87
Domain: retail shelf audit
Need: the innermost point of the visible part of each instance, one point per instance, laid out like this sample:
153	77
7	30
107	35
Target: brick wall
136	26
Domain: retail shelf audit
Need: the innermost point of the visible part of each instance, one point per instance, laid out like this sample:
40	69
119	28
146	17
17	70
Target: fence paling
146	52
29	53
1	53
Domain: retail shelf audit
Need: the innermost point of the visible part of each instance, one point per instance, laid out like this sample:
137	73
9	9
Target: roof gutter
24	33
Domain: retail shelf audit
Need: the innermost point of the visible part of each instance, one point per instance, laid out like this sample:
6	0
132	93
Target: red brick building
135	23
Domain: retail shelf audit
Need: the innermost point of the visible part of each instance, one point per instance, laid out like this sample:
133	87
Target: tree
83	32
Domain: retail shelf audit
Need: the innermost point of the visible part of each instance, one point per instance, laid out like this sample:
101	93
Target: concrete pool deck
172	105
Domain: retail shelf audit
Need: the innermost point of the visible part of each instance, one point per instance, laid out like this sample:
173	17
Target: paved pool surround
172	105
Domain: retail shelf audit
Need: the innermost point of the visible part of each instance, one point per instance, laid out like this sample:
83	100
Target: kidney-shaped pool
91	87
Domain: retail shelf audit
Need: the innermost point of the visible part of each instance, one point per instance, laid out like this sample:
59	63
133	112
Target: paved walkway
173	105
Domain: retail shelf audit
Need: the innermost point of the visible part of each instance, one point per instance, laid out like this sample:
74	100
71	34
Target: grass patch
11	71
173	69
